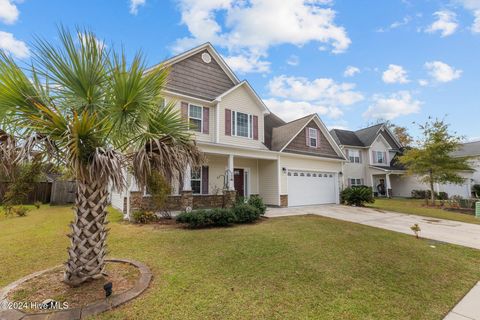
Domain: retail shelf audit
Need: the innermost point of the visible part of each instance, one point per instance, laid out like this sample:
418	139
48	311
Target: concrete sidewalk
464	234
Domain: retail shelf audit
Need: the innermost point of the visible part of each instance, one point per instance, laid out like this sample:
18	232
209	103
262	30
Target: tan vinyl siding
240	100
200	136
268	182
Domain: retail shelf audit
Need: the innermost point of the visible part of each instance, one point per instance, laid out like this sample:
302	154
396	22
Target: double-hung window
195	117
354	156
380	157
355	182
242	124
196	180
312	137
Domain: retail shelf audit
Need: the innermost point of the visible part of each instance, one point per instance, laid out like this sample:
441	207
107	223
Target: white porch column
231	186
187	175
389	186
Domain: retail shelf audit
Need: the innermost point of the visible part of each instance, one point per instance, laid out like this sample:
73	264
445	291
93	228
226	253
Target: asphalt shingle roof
469	149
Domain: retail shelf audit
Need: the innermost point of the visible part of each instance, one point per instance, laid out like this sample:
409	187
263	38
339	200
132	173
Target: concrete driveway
464	234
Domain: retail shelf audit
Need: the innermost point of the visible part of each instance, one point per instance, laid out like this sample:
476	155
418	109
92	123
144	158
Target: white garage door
309	187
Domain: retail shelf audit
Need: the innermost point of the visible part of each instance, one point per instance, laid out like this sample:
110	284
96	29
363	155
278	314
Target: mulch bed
50	286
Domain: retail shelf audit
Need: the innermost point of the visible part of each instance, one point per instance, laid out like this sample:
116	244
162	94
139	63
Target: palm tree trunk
88	248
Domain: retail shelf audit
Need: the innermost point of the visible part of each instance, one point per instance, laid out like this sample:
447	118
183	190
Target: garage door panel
310	188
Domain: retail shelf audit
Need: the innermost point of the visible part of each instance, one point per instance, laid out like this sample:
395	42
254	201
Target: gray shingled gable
469	149
361	138
283	134
346	138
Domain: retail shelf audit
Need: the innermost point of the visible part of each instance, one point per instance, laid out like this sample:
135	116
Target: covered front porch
384	181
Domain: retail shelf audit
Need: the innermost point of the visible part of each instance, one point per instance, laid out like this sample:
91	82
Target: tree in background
402	134
90	110
432	158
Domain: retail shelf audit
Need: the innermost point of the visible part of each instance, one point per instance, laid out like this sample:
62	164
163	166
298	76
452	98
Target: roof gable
244	84
192	76
365	137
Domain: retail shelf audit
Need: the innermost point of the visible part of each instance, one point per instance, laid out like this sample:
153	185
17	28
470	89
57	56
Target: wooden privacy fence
63	192
56	192
42	191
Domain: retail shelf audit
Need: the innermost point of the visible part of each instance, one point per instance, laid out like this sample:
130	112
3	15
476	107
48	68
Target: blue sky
353	62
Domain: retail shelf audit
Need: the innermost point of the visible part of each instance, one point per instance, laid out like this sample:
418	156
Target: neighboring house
371	152
372	161
249	150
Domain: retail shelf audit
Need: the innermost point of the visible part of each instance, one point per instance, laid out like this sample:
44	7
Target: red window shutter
228	122
206	120
307	135
360	155
204	180
255	127
318	138
184	110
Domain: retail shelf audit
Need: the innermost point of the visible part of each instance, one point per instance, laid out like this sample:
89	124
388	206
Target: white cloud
13	46
290	110
476	23
397	24
250	28
391	107
474	7
446	23
442	72
350	71
303	96
395	74
247	64
293	60
135	4
423	82
8	12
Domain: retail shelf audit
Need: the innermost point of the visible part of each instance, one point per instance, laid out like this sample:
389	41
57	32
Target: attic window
206	57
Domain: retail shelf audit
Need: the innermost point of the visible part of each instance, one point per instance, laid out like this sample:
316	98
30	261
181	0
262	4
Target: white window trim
200	179
234	126
350	157
310	137
201	117
355	180
375	160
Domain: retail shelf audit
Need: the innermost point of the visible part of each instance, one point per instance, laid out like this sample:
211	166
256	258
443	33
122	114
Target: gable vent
206	57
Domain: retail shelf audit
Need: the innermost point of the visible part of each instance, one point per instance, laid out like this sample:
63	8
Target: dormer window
312	137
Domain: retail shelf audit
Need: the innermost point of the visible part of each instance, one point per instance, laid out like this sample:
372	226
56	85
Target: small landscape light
108	287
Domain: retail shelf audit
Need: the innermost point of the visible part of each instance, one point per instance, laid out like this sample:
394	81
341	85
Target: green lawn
297	267
414	206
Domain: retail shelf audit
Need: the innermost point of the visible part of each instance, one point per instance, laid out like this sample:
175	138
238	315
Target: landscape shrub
425	194
257	202
357	196
144	217
37	204
442	196
207	217
246	213
20	211
476	190
159	188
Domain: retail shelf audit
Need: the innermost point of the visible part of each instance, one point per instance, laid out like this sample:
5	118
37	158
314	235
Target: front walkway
464	234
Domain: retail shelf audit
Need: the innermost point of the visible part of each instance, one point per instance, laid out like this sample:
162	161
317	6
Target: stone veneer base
85	311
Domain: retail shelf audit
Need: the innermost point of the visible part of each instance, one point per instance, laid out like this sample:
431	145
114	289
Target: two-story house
370	152
248	149
371	156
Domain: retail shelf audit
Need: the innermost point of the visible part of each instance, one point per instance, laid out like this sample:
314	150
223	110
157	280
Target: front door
239	182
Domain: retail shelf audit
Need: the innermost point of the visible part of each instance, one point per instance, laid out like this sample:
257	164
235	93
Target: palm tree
85	107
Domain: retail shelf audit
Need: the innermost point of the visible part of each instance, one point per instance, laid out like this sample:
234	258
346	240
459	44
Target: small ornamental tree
432	159
159	188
